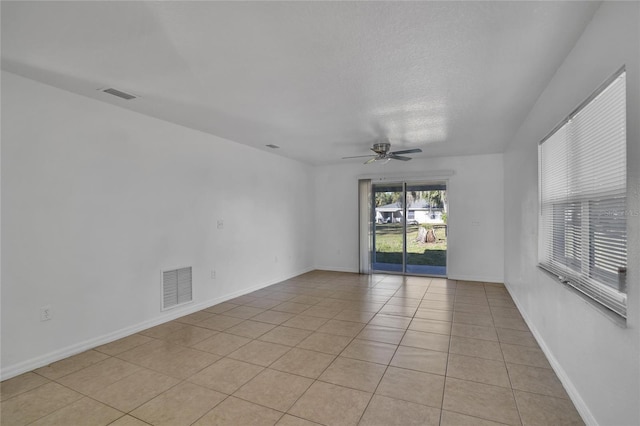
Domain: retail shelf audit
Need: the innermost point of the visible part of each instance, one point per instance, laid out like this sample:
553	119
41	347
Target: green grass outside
389	246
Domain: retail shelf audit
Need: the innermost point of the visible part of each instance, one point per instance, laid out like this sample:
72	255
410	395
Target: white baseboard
573	393
57	355
338	269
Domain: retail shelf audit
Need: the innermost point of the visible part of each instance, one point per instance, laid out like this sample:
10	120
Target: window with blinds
582	235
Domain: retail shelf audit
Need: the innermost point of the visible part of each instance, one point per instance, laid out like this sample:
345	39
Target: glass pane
388	228
426	230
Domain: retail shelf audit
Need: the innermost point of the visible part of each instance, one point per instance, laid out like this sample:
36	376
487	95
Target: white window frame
578	267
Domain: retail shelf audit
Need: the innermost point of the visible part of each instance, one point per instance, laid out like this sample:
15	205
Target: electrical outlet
213	274
46	313
220	224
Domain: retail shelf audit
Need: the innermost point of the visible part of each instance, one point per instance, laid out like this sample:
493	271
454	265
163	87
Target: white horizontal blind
583	186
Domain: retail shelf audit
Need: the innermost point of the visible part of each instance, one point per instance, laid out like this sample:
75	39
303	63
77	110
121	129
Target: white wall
598	360
475	194
97	200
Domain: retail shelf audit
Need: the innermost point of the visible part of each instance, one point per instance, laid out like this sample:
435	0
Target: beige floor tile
195	317
384	411
353	373
434	314
505	312
441	305
122	345
307	300
36	403
69	365
327	343
306	323
244	312
221	307
175	361
420	359
404	301
163	330
413	386
432	341
330	404
286	335
471	300
512	323
222	344
190	335
536	380
516	337
368	350
381	334
341	328
365	306
472	309
234	411
479	400
540	410
355	316
134	390
392	321
219	322
289	420
474	331
475	319
486	349
180	405
303	362
322	312
443	296
478	370
98	376
85	412
273	317
274	389
128	421
291	307
398	310
259	353
250	329
501	302
449	418
149	349
525	355
430	326
226	375
264	303
20	384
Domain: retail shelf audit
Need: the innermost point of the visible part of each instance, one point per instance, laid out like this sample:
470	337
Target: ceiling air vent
176	287
120	94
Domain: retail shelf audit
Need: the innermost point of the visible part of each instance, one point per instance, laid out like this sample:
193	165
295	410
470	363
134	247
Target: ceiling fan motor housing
381	148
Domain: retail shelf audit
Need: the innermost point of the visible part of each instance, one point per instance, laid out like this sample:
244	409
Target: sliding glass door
409	228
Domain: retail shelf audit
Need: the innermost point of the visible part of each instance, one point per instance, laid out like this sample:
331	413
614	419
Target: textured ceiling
322	80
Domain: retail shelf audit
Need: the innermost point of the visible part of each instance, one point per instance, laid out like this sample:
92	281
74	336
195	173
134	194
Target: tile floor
323	348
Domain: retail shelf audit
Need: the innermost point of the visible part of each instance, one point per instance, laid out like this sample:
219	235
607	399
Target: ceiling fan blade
406	151
371	160
398	157
358	156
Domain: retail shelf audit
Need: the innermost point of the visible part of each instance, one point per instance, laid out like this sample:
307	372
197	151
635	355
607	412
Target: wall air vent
176	287
118	93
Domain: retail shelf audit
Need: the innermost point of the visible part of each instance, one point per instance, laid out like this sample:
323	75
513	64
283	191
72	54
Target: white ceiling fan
382	153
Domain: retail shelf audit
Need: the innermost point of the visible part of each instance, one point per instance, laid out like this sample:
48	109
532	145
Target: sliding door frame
367	218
